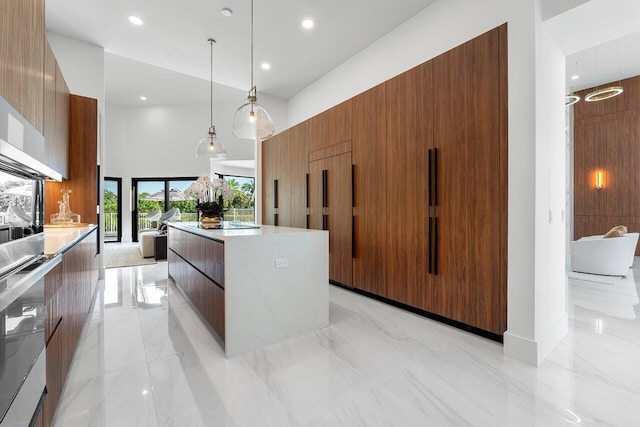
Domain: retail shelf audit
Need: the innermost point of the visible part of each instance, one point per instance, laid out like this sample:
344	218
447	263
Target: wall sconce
599	180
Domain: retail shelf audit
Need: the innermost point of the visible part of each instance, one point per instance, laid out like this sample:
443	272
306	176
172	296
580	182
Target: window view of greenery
242	206
110	211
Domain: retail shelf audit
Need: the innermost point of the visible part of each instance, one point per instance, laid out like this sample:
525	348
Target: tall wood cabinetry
409	140
284	178
410	179
83	170
330	201
469	134
22	57
371	179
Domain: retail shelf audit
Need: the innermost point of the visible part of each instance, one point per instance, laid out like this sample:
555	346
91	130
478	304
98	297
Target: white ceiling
167	59
602	37
175	35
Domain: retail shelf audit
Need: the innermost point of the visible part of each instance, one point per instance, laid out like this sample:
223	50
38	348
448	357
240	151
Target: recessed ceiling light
135	20
575	77
265	66
143	98
307	23
226	11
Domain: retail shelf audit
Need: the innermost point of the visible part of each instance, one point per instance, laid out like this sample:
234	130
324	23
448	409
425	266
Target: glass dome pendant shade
252	121
210	146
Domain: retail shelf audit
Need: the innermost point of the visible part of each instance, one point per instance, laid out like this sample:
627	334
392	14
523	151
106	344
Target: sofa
607	256
146	238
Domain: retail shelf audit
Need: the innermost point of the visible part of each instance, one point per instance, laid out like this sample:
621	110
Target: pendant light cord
251	44
211	42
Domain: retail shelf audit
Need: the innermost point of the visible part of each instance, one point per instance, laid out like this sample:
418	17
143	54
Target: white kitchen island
255	286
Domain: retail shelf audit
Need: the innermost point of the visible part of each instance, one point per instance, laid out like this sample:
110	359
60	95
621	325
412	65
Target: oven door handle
11	294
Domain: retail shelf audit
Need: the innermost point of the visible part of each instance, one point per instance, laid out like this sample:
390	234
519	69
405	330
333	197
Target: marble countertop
59	239
225	234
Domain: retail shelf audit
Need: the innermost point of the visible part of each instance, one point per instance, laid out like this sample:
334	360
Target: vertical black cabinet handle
324	188
325	222
275	194
307	189
275	202
435	177
429	181
435	246
353	237
430	243
353	186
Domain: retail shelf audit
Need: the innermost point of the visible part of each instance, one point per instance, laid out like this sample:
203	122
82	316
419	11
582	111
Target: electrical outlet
282	262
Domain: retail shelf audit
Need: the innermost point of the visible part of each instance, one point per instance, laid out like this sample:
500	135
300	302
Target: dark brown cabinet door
294	180
330	127
409	137
269	174
370	216
471	211
284	172
331	209
83	169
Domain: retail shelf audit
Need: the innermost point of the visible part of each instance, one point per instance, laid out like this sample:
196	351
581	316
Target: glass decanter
64	215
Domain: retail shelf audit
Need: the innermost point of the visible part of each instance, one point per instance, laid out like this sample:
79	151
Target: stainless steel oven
22	341
23	267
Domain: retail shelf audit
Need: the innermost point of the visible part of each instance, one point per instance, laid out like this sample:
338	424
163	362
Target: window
242	206
160	195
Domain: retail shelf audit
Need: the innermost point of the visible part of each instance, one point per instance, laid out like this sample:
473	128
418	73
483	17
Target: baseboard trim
459	325
534	352
520	348
552	336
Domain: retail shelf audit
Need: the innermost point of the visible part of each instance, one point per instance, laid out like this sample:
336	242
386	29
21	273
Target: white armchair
597	255
146	237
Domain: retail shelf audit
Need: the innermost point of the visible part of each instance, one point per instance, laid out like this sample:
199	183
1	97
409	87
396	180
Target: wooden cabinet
330	201
410	179
56	115
22	57
196	264
83	160
370	194
409	137
470	111
269	176
330	127
292	177
284	173
69	289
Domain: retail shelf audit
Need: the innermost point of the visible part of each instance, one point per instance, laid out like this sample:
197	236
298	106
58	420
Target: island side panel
265	304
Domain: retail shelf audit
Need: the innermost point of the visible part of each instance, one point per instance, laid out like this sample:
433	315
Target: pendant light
607	92
210	146
252	121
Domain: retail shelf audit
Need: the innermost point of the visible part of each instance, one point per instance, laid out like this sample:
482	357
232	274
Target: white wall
161	140
550	280
82	65
438	28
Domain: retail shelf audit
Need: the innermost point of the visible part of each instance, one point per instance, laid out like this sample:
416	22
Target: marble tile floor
146	359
